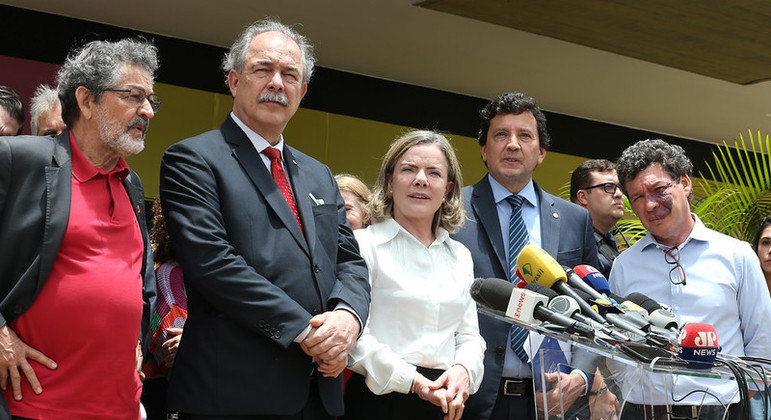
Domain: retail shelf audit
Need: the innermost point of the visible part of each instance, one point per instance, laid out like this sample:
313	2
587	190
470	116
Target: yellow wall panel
345	144
184	113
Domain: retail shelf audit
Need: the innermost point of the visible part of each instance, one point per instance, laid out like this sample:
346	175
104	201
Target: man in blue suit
277	290
514	140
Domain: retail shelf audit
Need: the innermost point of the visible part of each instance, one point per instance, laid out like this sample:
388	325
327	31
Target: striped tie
518	238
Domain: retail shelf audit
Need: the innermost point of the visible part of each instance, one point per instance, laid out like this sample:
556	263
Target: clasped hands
331	338
568	387
449	391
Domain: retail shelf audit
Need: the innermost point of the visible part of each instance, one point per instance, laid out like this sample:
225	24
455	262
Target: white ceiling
391	39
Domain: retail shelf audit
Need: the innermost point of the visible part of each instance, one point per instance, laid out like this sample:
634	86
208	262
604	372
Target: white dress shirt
724	287
421	312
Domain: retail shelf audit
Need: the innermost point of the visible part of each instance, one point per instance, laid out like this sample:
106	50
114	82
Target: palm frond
737	192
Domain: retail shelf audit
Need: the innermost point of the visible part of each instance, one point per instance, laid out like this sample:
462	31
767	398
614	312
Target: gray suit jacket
253	279
35	194
566	234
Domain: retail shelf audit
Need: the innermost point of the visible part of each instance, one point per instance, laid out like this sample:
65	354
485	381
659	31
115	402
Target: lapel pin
294	161
555	215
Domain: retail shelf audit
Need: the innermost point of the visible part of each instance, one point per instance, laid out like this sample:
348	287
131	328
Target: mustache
138	122
271	96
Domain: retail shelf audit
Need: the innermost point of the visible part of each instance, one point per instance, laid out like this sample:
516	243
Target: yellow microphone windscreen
537	266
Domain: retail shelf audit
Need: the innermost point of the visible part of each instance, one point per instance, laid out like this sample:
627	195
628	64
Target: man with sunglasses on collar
594	186
703	275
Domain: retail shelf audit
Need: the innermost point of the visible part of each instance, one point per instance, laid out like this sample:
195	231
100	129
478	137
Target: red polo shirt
88	314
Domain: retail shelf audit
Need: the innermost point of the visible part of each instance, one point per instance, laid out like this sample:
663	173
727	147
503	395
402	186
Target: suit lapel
251	162
58	198
483	204
301	195
550	222
137	198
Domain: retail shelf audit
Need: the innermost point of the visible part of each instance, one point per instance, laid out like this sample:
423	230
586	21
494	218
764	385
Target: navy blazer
252	278
35	194
566	234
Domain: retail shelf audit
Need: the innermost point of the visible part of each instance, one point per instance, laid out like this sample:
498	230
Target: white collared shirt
421	312
261	144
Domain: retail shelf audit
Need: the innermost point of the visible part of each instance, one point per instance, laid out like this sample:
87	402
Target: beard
118	138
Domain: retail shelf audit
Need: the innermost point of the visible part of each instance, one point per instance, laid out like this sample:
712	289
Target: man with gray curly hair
77	284
703	275
45	112
277	290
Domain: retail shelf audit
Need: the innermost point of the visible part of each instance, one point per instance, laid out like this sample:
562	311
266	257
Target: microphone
593	278
657	315
698	345
568	307
575	281
617	319
523	305
634	313
537	266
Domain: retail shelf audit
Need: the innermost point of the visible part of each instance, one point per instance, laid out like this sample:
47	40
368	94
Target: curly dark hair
645	153
513	103
162	251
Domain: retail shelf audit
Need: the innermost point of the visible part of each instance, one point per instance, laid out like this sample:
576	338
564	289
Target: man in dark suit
514	140
77	276
277	291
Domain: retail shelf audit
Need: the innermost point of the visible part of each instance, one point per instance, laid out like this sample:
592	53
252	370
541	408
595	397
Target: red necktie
280	177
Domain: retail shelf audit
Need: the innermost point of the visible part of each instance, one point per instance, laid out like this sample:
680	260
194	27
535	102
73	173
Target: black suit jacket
253	280
566	234
35	194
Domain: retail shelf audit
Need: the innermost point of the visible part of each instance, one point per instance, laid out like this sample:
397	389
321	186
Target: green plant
739	192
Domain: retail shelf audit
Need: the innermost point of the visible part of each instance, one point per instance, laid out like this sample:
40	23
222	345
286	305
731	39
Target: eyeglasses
137	97
608	187
676	273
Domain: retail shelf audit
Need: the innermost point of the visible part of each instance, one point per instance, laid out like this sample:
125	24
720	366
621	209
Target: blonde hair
355	186
451	214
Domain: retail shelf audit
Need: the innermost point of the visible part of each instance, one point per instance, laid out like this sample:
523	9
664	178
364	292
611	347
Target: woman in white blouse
420	354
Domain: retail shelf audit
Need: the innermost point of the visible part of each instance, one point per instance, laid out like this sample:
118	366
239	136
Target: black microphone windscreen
617	298
645	302
492	293
541	289
583	295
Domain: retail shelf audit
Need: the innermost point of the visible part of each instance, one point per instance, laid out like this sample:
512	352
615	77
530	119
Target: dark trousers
514	407
154	397
362	404
313	410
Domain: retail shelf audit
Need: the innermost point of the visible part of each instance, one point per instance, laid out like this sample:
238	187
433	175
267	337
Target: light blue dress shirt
724	287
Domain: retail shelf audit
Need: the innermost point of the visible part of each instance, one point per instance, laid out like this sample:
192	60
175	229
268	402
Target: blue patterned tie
518	238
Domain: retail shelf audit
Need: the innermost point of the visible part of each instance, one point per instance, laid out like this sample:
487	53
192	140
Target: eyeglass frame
153	99
674	254
605	187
